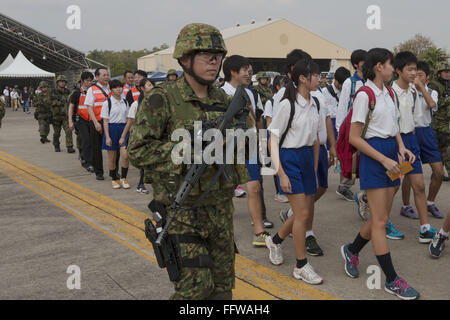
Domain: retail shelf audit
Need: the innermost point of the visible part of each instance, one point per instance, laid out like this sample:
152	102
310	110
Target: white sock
290	213
309	233
430	203
445	234
425	227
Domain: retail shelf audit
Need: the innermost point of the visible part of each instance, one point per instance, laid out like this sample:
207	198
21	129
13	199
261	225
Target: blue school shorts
253	168
372	174
333	120
410	142
115	132
322	169
298	164
429	149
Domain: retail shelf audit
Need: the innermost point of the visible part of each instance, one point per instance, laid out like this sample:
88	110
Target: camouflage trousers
44	127
443	140
57	126
214	224
2	115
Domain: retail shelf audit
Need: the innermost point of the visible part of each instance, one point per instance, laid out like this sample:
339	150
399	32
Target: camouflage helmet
442	66
172	72
61	78
261	75
43	84
198	36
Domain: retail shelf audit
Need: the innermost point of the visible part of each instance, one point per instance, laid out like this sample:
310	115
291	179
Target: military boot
57	149
70	150
42	140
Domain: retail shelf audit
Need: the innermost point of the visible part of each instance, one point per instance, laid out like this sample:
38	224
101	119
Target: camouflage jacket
163	110
60	103
441	118
265	93
42	103
2	107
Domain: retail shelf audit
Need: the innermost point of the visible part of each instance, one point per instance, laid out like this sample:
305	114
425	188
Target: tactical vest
60	103
183	114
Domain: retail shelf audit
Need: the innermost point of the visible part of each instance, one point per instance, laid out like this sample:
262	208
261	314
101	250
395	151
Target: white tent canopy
21	67
5	64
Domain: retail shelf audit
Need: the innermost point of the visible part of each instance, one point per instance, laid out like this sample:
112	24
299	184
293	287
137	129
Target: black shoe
445	178
312	248
42	140
57	149
90	169
99	176
46	140
70	150
267	224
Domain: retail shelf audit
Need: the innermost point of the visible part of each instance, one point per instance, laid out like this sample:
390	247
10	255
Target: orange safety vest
125	90
135	93
98	101
82	108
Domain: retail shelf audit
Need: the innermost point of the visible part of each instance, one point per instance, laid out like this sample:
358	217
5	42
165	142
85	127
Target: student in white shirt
114	115
145	86
426	137
236	71
349	87
381	148
297	162
405	64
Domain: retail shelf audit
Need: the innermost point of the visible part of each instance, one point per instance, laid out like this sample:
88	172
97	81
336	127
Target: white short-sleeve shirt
305	124
268	108
6	93
332	103
423	117
133	109
324	113
408	107
276	101
118	113
342	109
385	117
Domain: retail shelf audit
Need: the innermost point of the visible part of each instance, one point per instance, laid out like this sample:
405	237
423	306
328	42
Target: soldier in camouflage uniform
60	105
43	111
172	75
441	118
199	50
263	87
2	109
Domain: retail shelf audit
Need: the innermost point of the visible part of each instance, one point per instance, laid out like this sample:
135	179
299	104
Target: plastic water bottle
337	167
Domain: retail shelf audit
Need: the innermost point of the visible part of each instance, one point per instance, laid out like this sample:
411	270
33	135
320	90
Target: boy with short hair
405	64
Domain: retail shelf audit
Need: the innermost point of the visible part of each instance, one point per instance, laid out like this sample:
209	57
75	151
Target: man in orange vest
134	93
79	119
128	79
95	96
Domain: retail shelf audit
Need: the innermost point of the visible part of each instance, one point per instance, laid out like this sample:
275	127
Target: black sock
113	174
301	263
141	179
124	173
358	244
276	239
386	265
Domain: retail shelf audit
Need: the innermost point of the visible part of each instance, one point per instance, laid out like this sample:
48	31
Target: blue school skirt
429	149
115	132
322	169
410	142
298	164
372	174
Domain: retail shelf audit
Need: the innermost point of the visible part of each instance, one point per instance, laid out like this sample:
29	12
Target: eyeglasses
209	56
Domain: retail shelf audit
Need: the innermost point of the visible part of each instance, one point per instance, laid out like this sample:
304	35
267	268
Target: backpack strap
291	117
352	93
333	94
316	100
371	106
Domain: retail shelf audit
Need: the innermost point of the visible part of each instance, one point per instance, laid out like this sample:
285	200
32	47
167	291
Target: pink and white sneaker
239	192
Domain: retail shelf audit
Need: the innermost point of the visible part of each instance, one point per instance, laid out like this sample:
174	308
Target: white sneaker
124	183
281	198
307	274
239	192
275	252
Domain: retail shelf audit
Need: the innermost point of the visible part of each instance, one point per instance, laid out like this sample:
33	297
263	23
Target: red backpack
347	154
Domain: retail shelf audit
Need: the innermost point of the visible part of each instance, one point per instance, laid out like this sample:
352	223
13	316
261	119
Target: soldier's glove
36	116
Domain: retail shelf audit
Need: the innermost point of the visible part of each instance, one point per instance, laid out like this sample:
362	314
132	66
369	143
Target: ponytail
304	67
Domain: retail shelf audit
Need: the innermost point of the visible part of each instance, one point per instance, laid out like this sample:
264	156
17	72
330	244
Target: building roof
21	67
9	59
43	51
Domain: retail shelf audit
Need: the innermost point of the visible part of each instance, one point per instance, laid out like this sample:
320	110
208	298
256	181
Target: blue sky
140	24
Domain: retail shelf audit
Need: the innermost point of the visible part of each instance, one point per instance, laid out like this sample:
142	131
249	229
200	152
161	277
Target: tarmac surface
54	214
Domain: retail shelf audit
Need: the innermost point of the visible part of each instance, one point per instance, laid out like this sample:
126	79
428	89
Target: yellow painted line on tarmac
126	225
